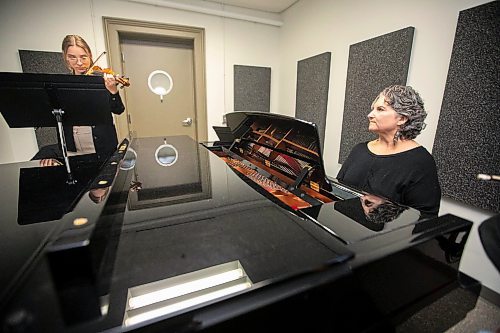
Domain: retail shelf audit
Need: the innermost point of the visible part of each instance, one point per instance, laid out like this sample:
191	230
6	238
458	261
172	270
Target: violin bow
93	62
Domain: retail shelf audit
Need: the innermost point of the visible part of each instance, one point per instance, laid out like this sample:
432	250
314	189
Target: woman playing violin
98	139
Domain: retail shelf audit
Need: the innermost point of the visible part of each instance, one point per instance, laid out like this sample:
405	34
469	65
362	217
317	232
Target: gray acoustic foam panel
313	81
373	65
252	88
468	135
43	62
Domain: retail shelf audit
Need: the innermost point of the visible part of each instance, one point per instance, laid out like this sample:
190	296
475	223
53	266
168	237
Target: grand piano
173	235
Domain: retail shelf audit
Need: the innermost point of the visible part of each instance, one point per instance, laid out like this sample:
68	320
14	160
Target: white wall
41	25
312	27
32	25
245	36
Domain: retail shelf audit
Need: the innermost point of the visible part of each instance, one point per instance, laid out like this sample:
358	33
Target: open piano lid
288	145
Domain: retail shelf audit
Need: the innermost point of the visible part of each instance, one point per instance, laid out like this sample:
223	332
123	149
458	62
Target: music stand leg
58	114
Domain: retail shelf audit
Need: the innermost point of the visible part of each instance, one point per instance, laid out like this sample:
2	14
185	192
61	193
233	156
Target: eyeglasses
73	59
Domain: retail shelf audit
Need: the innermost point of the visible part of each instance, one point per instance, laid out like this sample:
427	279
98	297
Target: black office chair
489	234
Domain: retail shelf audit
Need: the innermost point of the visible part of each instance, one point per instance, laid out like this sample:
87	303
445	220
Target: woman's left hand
47	162
110	83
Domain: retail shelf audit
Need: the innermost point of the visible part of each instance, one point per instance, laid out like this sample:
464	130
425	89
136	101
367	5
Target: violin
96	70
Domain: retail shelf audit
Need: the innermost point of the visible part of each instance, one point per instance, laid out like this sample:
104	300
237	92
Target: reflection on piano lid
164	297
370	211
44	194
129	160
149	158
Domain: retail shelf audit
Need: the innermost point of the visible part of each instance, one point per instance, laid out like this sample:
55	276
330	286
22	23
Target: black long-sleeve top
104	135
409	178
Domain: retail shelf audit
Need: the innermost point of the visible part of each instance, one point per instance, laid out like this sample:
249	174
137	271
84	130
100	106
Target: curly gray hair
408	103
385	212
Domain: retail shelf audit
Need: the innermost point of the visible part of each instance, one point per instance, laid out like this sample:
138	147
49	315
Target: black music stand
43	100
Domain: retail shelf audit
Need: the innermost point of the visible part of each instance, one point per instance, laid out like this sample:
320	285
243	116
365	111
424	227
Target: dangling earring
397	135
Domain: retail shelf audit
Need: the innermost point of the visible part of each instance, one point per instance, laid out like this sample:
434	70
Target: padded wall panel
43	62
313	80
252	88
468	135
373	65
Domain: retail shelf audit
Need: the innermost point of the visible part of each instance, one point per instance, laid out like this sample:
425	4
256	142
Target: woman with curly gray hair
394	165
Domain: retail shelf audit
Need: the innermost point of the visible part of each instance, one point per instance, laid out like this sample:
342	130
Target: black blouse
105	139
409	178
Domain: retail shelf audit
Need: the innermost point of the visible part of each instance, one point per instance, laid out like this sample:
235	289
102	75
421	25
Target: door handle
187	122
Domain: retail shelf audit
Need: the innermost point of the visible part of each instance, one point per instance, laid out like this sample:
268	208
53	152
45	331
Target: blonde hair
74	40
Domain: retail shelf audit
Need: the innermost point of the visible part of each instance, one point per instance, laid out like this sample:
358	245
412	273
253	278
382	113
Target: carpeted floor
441	317
484	318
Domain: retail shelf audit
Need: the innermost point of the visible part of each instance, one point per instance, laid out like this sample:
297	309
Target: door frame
115	28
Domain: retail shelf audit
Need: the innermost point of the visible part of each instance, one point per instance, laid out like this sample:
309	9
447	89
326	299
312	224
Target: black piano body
250	235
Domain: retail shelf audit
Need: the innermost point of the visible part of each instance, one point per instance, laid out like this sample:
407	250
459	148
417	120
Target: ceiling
271	6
